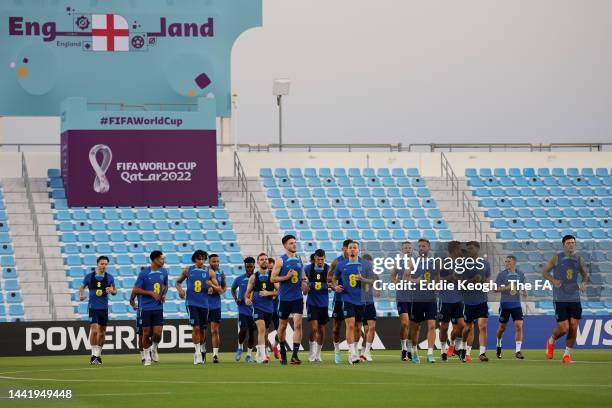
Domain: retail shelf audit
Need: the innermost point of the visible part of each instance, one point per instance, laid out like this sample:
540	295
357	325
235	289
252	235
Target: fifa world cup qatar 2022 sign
134	52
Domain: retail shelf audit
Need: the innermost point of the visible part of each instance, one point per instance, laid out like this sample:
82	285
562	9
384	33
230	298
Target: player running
196	300
369	311
424	306
348	279
450	306
152	286
562	271
476	308
100	284
403	299
289	273
317	302
510	305
214	304
260	293
275	319
245	311
338	311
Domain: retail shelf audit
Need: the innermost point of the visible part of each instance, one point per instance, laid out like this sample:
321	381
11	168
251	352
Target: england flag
109	33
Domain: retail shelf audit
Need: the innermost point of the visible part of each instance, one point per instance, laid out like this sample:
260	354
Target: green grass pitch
386	383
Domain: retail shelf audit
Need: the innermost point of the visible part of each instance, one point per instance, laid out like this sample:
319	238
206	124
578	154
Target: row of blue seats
348	192
321	227
143	259
542	172
338	172
357	213
356	203
538	182
147	236
553	234
13	310
167	247
344	182
534	256
555	246
62	204
530	223
568	212
68	226
546	202
544	192
131	270
371	235
142	214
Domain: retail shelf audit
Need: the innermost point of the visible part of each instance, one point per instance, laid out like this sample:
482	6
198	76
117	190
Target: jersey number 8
294	278
197	286
352	280
156	288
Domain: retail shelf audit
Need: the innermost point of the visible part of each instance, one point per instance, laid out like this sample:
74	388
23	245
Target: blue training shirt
241	283
196	287
291	289
98	298
214	300
476	296
317	282
346	274
338	296
567	271
262	282
152	281
510	299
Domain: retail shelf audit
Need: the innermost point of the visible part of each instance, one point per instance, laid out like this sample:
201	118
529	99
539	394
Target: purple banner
139	167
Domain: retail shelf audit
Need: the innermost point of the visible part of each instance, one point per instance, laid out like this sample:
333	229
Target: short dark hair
424	240
511	257
262	253
249	259
346	243
199	254
287	238
565	238
102	258
271	260
474	243
155	254
312	257
368	257
354	242
213	256
319	252
453	245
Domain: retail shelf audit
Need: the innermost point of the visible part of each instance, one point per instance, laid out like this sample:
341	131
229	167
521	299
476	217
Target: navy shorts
450	312
285	308
338	312
198	316
214	315
515	312
98	316
318	313
351	310
246	321
369	312
421	311
152	318
403	307
259	314
475	312
566	310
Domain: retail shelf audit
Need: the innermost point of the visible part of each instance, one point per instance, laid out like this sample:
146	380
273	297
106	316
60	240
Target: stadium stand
128	234
11	304
532	209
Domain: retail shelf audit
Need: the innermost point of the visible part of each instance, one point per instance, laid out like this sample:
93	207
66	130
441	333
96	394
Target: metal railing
471	213
39	245
249	200
382	147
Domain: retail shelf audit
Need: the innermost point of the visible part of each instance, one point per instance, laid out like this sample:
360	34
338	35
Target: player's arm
111	289
164	290
235	291
336	281
212	280
248	297
394	274
584	274
275	277
133	300
82	292
179	283
547	272
140	291
330	273
305	288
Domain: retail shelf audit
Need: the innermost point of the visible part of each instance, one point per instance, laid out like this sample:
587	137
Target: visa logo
598	331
